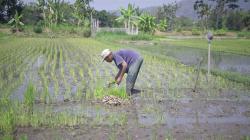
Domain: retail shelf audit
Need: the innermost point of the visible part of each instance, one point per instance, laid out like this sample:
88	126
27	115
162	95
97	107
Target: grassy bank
236	46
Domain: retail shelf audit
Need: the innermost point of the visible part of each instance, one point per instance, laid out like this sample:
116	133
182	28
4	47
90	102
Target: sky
116	4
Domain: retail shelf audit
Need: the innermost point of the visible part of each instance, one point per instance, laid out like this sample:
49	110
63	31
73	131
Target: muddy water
149	118
190	56
18	94
219	60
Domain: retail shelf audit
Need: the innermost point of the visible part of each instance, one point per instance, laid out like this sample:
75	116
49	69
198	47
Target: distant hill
186	8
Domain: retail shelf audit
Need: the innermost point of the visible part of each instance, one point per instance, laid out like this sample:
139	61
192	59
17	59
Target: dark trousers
132	75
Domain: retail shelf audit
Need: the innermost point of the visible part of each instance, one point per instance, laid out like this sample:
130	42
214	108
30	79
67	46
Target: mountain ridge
186	9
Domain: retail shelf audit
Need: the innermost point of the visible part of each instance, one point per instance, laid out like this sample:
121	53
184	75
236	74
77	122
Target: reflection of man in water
127	61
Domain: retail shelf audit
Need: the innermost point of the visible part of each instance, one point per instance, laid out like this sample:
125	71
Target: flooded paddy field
49	91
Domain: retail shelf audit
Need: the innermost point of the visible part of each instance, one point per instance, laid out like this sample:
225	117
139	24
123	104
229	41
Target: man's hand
118	80
121	73
111	83
117	75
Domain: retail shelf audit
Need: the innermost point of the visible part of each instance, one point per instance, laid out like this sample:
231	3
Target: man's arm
121	72
118	74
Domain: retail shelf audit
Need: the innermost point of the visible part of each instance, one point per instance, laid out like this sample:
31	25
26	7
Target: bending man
127	61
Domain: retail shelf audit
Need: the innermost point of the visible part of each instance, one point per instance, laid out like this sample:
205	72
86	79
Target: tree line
212	14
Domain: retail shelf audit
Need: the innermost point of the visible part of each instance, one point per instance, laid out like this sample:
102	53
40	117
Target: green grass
236	46
121	35
244	34
233	76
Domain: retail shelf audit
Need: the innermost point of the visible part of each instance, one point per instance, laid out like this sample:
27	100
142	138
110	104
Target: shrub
86	32
72	31
38	28
220	32
196	32
244	34
142	37
14	29
105	33
178	30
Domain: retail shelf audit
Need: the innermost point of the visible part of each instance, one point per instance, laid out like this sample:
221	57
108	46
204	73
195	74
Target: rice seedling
72	73
112	136
7	115
29	98
98	120
23	137
99	93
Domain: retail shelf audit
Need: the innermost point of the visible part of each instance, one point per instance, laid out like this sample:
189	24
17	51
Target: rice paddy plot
49	85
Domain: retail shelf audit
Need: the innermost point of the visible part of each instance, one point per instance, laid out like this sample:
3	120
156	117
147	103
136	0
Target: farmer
127	61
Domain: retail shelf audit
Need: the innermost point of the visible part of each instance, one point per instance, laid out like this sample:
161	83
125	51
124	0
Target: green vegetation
8	120
147	23
57	67
16	23
196	32
51	74
108	36
99	93
237	46
29	98
244	34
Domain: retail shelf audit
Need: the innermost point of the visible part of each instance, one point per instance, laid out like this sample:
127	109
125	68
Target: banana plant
55	11
128	17
82	10
162	26
41	5
124	17
16	22
147	23
77	14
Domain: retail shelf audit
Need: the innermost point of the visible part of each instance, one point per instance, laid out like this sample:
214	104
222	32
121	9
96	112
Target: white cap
105	53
